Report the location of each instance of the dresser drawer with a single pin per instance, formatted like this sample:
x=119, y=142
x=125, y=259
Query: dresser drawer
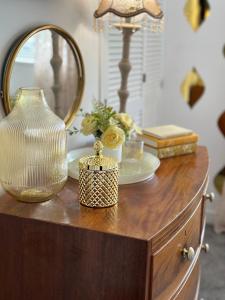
x=169, y=267
x=190, y=289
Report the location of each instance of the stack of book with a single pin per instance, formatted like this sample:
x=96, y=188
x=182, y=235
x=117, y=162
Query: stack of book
x=170, y=140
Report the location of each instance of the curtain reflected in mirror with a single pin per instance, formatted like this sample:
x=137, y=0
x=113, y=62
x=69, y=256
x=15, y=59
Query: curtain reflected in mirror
x=196, y=12
x=46, y=60
x=192, y=87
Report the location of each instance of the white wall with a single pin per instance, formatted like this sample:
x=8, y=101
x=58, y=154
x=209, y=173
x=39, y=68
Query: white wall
x=185, y=49
x=75, y=16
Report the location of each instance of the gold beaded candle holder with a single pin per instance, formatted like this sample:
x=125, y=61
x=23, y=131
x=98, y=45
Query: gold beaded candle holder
x=98, y=180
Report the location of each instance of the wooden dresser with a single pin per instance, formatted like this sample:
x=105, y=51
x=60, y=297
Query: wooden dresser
x=147, y=247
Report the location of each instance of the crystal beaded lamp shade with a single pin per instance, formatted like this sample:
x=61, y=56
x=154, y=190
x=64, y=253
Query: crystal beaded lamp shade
x=129, y=14
x=129, y=8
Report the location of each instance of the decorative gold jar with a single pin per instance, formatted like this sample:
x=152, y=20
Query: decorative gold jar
x=98, y=179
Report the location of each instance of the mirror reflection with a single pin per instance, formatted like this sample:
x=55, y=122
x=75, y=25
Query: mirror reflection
x=192, y=88
x=46, y=60
x=196, y=12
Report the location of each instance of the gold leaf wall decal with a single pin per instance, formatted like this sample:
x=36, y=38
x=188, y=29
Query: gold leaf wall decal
x=192, y=88
x=196, y=12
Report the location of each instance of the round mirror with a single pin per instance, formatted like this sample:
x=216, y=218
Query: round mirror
x=48, y=58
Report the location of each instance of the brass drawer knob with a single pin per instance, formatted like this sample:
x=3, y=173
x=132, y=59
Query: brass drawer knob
x=210, y=197
x=188, y=254
x=206, y=248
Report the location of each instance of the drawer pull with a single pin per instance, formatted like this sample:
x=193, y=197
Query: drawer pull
x=206, y=248
x=188, y=254
x=210, y=197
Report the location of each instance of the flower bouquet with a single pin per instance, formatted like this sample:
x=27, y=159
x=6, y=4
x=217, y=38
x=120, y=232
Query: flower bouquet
x=110, y=127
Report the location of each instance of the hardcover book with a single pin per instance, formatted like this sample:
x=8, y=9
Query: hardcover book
x=167, y=131
x=172, y=151
x=162, y=143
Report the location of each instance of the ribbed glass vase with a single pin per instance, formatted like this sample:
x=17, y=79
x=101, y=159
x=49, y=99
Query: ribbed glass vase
x=33, y=149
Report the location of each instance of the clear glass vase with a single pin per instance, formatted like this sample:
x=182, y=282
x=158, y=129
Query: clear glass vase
x=33, y=149
x=114, y=153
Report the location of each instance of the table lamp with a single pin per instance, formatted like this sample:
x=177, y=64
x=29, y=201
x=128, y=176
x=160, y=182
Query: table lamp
x=128, y=16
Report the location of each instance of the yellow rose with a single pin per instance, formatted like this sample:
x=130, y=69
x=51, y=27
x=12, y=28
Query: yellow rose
x=125, y=120
x=113, y=137
x=89, y=125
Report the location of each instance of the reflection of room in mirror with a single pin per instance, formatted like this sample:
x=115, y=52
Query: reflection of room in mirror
x=47, y=61
x=192, y=87
x=23, y=69
x=196, y=12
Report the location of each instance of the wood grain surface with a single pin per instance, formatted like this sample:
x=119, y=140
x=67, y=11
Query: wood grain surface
x=169, y=267
x=191, y=287
x=47, y=261
x=144, y=209
x=59, y=250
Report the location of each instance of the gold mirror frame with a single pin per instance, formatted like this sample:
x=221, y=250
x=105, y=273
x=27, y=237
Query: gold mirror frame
x=7, y=73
